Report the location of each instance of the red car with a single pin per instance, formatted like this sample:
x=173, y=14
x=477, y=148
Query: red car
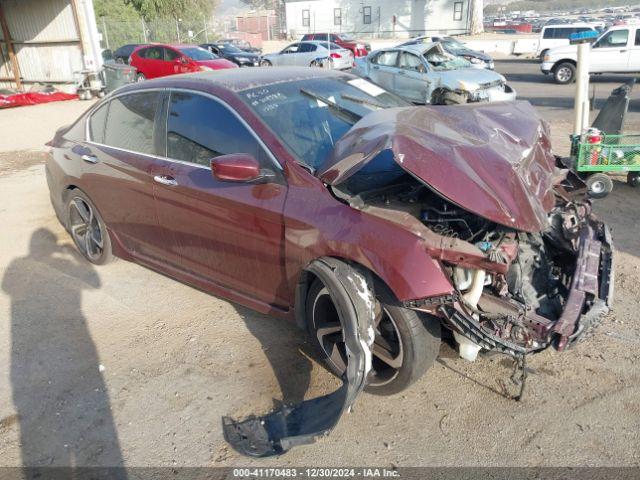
x=358, y=48
x=316, y=196
x=152, y=61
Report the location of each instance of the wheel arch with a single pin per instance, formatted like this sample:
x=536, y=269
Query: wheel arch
x=379, y=281
x=564, y=60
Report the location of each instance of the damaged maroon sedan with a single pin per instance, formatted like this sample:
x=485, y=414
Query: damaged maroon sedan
x=320, y=197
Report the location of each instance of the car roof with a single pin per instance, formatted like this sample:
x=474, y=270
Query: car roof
x=569, y=25
x=319, y=42
x=419, y=48
x=236, y=79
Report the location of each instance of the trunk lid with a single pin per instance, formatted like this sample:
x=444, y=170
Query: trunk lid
x=494, y=160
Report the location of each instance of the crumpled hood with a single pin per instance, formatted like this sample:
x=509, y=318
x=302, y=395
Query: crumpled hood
x=471, y=76
x=491, y=159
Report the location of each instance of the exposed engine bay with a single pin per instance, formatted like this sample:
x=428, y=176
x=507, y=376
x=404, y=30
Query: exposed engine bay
x=536, y=287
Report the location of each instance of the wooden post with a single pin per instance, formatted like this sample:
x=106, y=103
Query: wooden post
x=12, y=54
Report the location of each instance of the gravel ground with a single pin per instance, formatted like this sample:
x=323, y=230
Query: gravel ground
x=118, y=364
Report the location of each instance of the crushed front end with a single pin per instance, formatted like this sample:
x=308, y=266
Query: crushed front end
x=546, y=288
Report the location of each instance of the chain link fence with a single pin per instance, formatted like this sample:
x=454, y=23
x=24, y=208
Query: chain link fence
x=116, y=33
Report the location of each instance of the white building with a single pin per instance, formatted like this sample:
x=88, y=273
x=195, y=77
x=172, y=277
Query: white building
x=377, y=18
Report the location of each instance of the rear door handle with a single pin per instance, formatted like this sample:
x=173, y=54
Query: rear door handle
x=376, y=68
x=89, y=158
x=166, y=180
x=401, y=72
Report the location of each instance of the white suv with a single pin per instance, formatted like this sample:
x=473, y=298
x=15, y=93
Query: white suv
x=552, y=36
x=616, y=51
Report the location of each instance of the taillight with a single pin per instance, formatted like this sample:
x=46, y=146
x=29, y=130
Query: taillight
x=335, y=55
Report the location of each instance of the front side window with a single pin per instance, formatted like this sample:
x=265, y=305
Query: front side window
x=130, y=122
x=200, y=128
x=170, y=55
x=637, y=41
x=337, y=16
x=457, y=11
x=197, y=53
x=307, y=48
x=294, y=48
x=614, y=38
x=97, y=123
x=409, y=61
x=305, y=18
x=366, y=15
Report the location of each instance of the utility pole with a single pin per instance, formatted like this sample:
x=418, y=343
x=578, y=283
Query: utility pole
x=144, y=30
x=105, y=33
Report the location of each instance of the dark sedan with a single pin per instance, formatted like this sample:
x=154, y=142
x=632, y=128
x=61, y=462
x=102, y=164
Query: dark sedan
x=233, y=54
x=122, y=54
x=317, y=196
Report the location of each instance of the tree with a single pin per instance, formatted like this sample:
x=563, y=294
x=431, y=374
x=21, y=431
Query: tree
x=263, y=4
x=158, y=9
x=476, y=24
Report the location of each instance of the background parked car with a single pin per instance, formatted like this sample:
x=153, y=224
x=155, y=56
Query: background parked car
x=457, y=48
x=160, y=60
x=428, y=74
x=358, y=48
x=616, y=51
x=242, y=45
x=310, y=54
x=558, y=35
x=233, y=54
x=122, y=54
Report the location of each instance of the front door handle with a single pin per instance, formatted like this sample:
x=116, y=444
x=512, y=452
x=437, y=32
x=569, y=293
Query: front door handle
x=165, y=180
x=89, y=158
x=376, y=68
x=401, y=72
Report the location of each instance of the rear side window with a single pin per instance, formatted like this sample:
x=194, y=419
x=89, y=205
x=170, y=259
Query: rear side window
x=199, y=129
x=97, y=122
x=152, y=53
x=637, y=41
x=387, y=58
x=307, y=47
x=408, y=61
x=131, y=120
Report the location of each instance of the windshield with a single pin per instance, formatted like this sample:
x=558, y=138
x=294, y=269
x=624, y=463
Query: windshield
x=441, y=60
x=453, y=46
x=198, y=53
x=346, y=37
x=310, y=116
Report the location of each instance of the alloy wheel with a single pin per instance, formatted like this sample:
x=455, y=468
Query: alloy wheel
x=387, y=352
x=85, y=229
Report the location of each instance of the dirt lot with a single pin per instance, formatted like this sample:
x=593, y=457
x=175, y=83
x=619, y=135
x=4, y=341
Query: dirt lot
x=118, y=364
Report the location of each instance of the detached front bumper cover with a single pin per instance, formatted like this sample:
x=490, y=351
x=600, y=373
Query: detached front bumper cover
x=289, y=426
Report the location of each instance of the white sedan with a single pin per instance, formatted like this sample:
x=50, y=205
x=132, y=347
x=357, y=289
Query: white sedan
x=312, y=54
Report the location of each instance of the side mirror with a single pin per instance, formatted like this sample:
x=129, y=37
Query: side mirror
x=236, y=167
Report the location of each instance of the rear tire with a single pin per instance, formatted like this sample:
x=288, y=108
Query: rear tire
x=599, y=185
x=633, y=179
x=266, y=63
x=409, y=341
x=564, y=73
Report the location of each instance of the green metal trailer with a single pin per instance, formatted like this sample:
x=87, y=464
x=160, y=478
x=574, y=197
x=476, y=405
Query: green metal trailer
x=599, y=153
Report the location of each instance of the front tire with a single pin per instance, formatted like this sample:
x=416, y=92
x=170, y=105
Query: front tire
x=140, y=77
x=564, y=73
x=406, y=343
x=633, y=179
x=88, y=231
x=599, y=185
x=266, y=63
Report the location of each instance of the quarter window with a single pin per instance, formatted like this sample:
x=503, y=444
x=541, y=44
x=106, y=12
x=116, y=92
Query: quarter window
x=457, y=11
x=337, y=16
x=305, y=18
x=97, y=123
x=152, y=53
x=366, y=15
x=130, y=122
x=199, y=129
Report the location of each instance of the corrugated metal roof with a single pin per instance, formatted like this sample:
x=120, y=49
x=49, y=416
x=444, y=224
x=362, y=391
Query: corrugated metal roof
x=40, y=20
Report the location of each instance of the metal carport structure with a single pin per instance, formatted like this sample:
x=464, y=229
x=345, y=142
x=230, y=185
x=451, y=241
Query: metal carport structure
x=47, y=41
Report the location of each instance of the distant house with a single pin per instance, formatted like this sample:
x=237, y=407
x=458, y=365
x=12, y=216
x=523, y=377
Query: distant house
x=377, y=18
